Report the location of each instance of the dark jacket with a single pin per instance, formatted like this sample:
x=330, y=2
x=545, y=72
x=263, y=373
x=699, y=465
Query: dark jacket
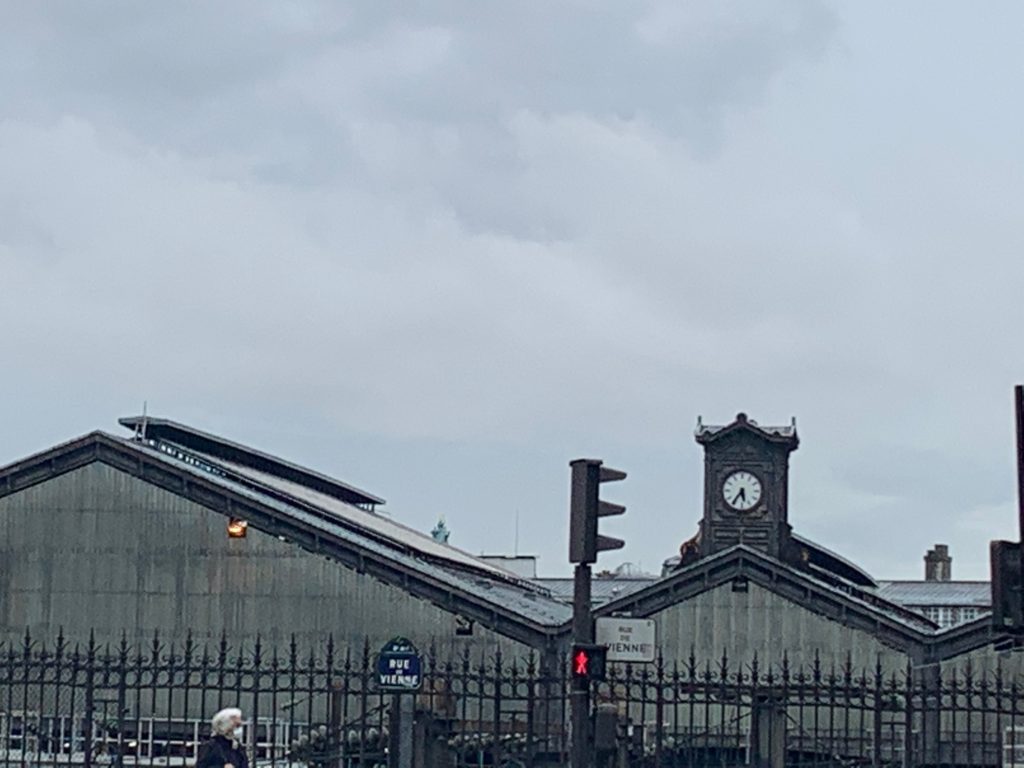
x=220, y=751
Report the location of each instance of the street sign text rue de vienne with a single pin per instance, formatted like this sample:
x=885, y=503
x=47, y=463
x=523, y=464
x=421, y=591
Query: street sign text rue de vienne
x=399, y=667
x=628, y=640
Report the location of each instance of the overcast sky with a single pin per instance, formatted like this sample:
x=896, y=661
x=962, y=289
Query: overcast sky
x=440, y=249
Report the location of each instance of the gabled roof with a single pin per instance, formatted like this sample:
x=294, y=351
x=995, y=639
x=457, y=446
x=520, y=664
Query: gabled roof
x=890, y=623
x=242, y=455
x=443, y=575
x=709, y=433
x=822, y=562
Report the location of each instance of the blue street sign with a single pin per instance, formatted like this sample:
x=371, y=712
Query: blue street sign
x=399, y=667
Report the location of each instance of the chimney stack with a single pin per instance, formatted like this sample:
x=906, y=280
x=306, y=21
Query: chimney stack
x=938, y=565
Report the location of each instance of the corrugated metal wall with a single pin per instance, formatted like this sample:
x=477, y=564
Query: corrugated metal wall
x=98, y=549
x=742, y=624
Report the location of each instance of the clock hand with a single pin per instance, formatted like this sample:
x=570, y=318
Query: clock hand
x=741, y=495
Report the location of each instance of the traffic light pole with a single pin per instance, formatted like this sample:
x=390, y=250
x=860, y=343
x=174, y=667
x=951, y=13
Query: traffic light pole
x=1007, y=557
x=579, y=700
x=585, y=541
x=1018, y=582
x=1018, y=392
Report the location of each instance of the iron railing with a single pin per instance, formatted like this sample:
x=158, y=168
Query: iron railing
x=88, y=704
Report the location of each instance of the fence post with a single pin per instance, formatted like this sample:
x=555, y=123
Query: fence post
x=931, y=713
x=400, y=748
x=90, y=707
x=548, y=713
x=768, y=732
x=335, y=734
x=531, y=706
x=876, y=730
x=908, y=728
x=122, y=671
x=659, y=710
x=257, y=662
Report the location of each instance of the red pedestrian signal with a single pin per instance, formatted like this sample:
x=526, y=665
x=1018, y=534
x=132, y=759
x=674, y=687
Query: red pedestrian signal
x=588, y=662
x=580, y=663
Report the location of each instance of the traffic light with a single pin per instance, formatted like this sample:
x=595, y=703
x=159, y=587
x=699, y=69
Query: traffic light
x=1007, y=586
x=586, y=507
x=588, y=662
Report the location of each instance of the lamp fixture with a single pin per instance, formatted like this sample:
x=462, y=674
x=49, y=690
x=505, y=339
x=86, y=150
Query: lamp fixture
x=237, y=528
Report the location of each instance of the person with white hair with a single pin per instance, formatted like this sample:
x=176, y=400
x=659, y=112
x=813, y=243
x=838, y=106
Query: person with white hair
x=224, y=748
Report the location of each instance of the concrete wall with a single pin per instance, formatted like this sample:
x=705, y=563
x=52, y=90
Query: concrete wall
x=99, y=549
x=757, y=621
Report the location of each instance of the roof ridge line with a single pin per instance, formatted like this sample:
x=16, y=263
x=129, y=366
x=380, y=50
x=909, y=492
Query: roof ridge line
x=248, y=456
x=896, y=618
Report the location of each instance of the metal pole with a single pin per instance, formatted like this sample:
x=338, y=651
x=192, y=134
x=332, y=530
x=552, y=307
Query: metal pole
x=1017, y=586
x=336, y=737
x=1018, y=392
x=394, y=737
x=579, y=701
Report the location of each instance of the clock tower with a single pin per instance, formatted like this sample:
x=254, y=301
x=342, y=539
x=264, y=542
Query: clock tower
x=746, y=480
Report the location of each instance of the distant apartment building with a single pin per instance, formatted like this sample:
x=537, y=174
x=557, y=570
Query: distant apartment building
x=938, y=597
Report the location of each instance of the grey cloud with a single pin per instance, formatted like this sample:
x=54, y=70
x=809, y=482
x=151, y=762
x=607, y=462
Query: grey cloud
x=434, y=245
x=931, y=478
x=185, y=74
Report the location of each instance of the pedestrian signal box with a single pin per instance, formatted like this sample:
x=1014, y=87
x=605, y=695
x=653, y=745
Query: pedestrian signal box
x=588, y=662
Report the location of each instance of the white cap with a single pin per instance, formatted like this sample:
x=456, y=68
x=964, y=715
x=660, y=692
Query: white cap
x=222, y=721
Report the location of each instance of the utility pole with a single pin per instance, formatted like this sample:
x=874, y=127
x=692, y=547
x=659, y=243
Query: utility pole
x=579, y=693
x=585, y=542
x=1006, y=556
x=1018, y=397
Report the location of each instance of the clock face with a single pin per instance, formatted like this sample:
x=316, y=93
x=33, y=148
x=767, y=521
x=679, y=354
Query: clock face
x=741, y=490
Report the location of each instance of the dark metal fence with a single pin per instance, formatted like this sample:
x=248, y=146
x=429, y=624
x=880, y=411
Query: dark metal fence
x=89, y=704
x=85, y=704
x=702, y=713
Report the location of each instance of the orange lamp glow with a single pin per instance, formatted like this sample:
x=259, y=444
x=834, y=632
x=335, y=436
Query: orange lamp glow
x=237, y=528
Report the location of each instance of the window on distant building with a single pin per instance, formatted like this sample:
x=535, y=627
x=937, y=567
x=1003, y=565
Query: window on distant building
x=948, y=615
x=943, y=615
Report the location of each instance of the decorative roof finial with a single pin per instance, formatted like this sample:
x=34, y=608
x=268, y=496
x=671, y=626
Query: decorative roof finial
x=440, y=532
